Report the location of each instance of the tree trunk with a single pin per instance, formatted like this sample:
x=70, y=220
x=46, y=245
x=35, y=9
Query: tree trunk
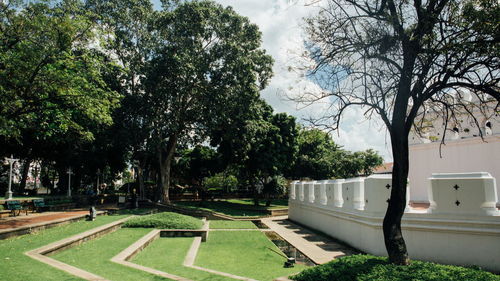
x=393, y=237
x=140, y=180
x=24, y=176
x=165, y=158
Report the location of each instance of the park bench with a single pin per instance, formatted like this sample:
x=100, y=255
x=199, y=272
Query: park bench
x=14, y=206
x=38, y=205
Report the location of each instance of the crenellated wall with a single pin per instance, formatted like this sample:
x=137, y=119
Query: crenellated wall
x=462, y=225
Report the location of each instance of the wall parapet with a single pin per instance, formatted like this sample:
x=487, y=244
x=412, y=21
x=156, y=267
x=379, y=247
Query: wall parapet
x=352, y=210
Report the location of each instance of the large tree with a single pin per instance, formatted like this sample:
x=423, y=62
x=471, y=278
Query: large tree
x=51, y=75
x=261, y=144
x=397, y=59
x=206, y=61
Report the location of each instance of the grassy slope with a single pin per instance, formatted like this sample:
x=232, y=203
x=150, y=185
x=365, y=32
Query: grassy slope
x=244, y=253
x=367, y=268
x=167, y=254
x=94, y=256
x=14, y=265
x=165, y=220
x=221, y=224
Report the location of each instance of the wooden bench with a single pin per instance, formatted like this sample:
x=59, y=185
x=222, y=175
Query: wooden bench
x=14, y=206
x=38, y=205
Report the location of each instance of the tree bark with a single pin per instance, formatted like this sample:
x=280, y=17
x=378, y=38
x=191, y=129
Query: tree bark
x=140, y=180
x=393, y=237
x=24, y=176
x=166, y=155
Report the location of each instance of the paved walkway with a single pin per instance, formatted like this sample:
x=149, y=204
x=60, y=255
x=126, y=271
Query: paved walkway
x=37, y=218
x=320, y=249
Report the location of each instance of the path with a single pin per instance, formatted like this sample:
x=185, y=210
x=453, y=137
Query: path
x=320, y=249
x=37, y=218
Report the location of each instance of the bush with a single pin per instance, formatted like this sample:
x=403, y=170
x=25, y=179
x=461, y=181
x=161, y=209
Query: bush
x=1, y=207
x=221, y=181
x=166, y=220
x=366, y=267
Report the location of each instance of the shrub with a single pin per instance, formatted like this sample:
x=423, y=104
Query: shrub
x=165, y=220
x=221, y=181
x=1, y=207
x=366, y=267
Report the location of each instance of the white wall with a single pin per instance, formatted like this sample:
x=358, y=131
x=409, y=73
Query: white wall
x=459, y=156
x=467, y=233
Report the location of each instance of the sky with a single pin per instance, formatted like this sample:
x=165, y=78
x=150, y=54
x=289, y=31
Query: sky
x=280, y=22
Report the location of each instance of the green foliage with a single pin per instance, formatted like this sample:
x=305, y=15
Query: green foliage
x=51, y=78
x=317, y=155
x=197, y=163
x=223, y=181
x=2, y=208
x=366, y=267
x=262, y=145
x=320, y=158
x=276, y=186
x=165, y=220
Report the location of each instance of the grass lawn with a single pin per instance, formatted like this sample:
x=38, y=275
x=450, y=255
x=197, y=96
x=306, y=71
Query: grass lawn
x=367, y=268
x=235, y=207
x=15, y=265
x=221, y=224
x=95, y=255
x=244, y=253
x=167, y=255
x=221, y=207
x=275, y=204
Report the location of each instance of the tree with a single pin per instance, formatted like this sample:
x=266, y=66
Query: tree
x=198, y=163
x=397, y=60
x=55, y=84
x=319, y=157
x=51, y=79
x=316, y=157
x=261, y=144
x=206, y=61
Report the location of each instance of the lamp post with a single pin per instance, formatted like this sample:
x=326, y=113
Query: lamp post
x=69, y=172
x=11, y=160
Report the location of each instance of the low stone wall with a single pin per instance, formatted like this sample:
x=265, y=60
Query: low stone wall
x=461, y=226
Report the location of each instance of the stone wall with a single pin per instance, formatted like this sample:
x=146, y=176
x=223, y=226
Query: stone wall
x=461, y=226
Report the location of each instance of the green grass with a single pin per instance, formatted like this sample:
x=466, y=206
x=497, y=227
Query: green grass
x=95, y=256
x=220, y=207
x=15, y=265
x=366, y=267
x=275, y=204
x=221, y=224
x=243, y=253
x=167, y=255
x=235, y=207
x=165, y=220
